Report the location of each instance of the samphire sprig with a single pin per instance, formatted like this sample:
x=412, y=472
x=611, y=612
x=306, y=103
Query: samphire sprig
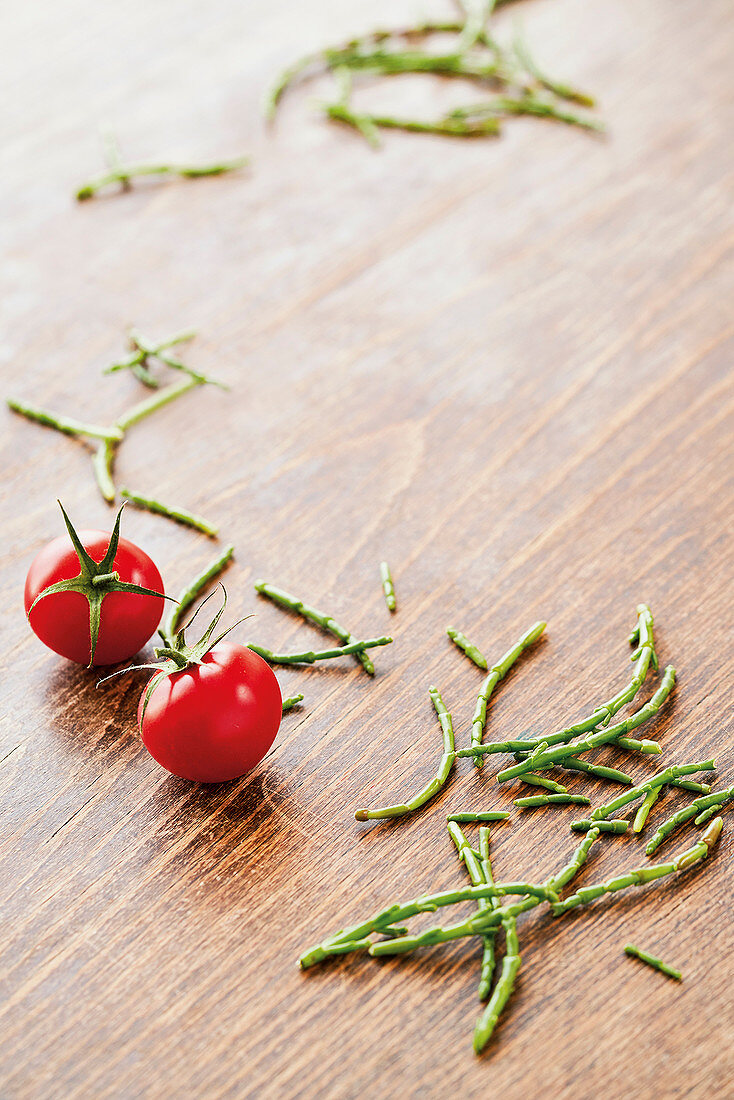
x=716, y=800
x=497, y=672
x=652, y=961
x=479, y=869
x=357, y=937
x=643, y=656
x=469, y=52
x=178, y=515
x=312, y=615
x=610, y=735
x=432, y=788
x=143, y=350
x=118, y=173
x=191, y=593
x=663, y=778
x=109, y=436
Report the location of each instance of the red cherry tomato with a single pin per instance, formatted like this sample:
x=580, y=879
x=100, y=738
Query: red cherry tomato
x=61, y=620
x=213, y=721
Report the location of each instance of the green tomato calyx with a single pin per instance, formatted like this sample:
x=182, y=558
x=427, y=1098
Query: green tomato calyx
x=176, y=655
x=95, y=580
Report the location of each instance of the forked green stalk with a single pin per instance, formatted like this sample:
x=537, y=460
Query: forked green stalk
x=716, y=800
x=602, y=737
x=479, y=871
x=601, y=716
x=142, y=351
x=103, y=460
x=66, y=424
x=462, y=642
x=642, y=875
x=179, y=515
x=656, y=781
x=498, y=672
x=473, y=55
x=480, y=926
x=656, y=964
x=291, y=702
x=527, y=104
x=328, y=58
x=192, y=592
x=487, y=1022
x=310, y=657
x=313, y=615
x=432, y=788
x=388, y=588
x=123, y=176
x=427, y=903
x=473, y=926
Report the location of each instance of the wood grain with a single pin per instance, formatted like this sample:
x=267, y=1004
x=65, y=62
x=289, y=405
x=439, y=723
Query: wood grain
x=504, y=367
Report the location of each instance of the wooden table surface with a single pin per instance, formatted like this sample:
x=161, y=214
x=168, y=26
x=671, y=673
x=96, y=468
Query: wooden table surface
x=505, y=367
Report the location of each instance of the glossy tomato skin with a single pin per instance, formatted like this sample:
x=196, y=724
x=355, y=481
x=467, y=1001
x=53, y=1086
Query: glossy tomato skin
x=214, y=721
x=61, y=621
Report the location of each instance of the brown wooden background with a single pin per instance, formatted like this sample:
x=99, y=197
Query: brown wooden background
x=505, y=367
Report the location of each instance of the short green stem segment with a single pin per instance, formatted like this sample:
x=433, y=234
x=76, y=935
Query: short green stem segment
x=552, y=800
x=615, y=827
x=179, y=515
x=669, y=775
x=103, y=579
x=462, y=642
x=388, y=588
x=651, y=960
x=485, y=816
x=291, y=702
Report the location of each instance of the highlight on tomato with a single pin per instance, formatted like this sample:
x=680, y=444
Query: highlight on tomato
x=96, y=599
x=212, y=710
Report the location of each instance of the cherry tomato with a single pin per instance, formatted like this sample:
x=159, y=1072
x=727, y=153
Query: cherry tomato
x=62, y=620
x=213, y=721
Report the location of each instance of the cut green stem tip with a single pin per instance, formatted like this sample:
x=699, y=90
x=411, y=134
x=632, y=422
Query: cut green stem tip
x=656, y=964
